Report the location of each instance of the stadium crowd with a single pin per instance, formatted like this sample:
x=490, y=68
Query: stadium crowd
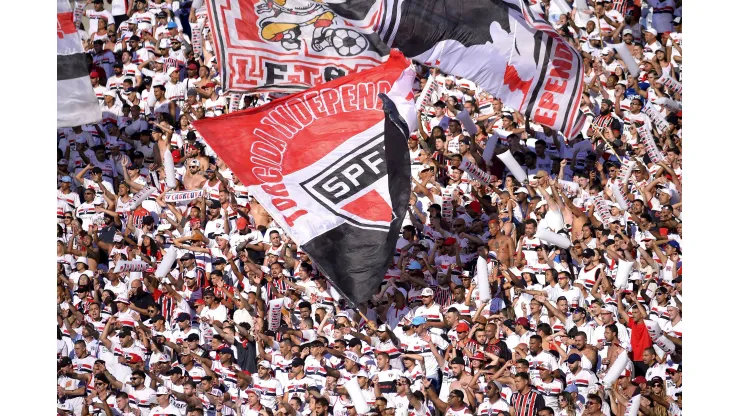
x=243, y=324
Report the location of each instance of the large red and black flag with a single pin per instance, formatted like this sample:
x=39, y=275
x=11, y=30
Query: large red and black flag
x=331, y=166
x=501, y=45
x=76, y=102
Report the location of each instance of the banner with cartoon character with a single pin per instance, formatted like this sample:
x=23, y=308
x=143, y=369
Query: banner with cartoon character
x=286, y=45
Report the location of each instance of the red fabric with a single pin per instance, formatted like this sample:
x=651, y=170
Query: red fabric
x=640, y=339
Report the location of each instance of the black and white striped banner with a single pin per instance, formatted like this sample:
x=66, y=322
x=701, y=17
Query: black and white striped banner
x=76, y=102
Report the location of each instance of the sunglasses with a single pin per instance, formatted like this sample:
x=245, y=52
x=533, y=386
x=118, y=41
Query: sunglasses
x=67, y=217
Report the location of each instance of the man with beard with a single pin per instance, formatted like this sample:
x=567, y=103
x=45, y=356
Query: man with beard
x=139, y=395
x=270, y=388
x=461, y=377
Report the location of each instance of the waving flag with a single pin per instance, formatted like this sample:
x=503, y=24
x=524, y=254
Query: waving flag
x=501, y=45
x=331, y=166
x=76, y=102
x=286, y=45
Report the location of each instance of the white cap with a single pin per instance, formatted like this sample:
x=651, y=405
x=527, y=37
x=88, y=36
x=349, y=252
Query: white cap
x=164, y=43
x=520, y=190
x=162, y=391
x=610, y=308
x=540, y=204
x=401, y=291
x=82, y=260
x=171, y=70
x=362, y=373
x=123, y=299
x=265, y=364
x=427, y=292
x=653, y=31
x=164, y=358
x=627, y=32
x=382, y=328
x=190, y=273
x=352, y=356
x=117, y=238
x=110, y=94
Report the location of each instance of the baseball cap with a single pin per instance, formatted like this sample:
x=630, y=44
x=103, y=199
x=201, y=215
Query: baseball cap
x=210, y=85
x=94, y=74
x=193, y=338
x=589, y=252
x=418, y=320
x=639, y=380
x=123, y=299
x=509, y=324
x=135, y=359
x=521, y=190
x=66, y=179
x=572, y=388
x=242, y=223
x=458, y=360
x=462, y=327
x=194, y=162
x=523, y=322
x=627, y=32
x=427, y=292
x=414, y=265
x=193, y=67
x=171, y=70
x=171, y=25
x=297, y=362
x=573, y=358
x=265, y=364
x=544, y=366
x=674, y=244
x=226, y=350
x=161, y=391
x=475, y=206
x=182, y=317
x=350, y=355
x=611, y=309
